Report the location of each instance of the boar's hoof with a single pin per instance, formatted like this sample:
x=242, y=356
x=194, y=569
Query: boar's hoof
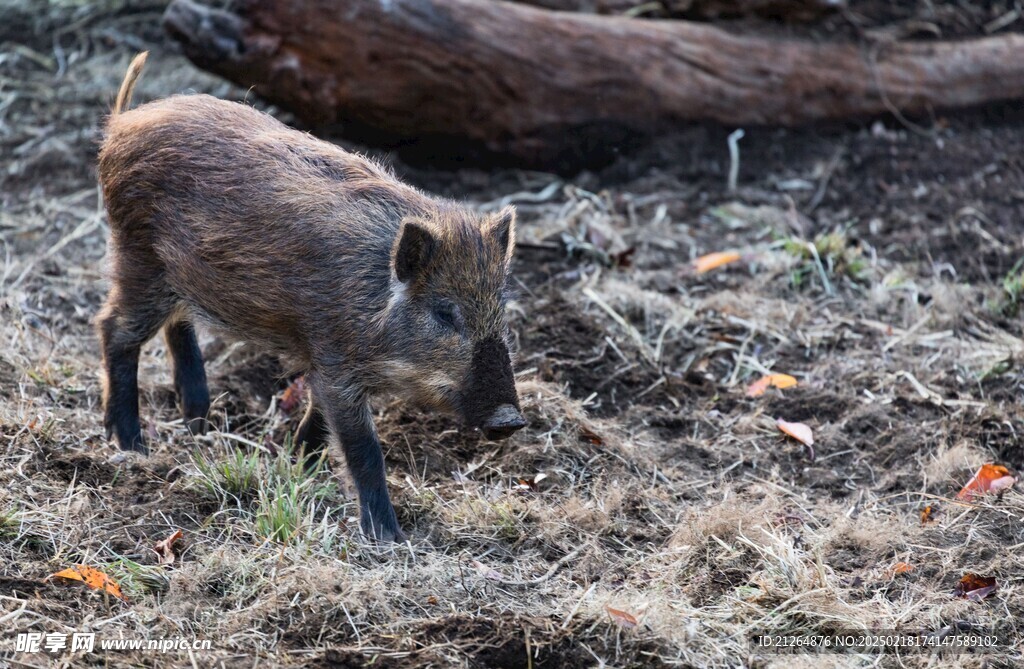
x=129, y=438
x=380, y=525
x=384, y=535
x=197, y=426
x=505, y=420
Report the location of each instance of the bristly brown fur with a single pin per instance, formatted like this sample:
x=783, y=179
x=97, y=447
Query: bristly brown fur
x=221, y=213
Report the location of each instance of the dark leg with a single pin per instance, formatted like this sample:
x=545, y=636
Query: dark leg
x=121, y=391
x=352, y=423
x=189, y=374
x=312, y=433
x=123, y=328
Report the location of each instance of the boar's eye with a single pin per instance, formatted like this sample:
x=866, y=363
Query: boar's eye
x=447, y=314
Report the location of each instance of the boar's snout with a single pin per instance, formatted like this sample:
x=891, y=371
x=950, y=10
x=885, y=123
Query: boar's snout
x=490, y=400
x=505, y=420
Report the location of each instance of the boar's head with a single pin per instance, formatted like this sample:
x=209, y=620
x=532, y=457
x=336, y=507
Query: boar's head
x=448, y=336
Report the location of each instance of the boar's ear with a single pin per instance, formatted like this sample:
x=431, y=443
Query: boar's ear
x=414, y=249
x=503, y=228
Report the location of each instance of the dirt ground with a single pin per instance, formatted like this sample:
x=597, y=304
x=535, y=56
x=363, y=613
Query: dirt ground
x=880, y=267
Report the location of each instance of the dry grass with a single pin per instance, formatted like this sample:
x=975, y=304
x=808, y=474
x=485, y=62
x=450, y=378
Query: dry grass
x=646, y=482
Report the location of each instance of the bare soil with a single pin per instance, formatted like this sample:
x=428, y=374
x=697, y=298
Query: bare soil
x=647, y=481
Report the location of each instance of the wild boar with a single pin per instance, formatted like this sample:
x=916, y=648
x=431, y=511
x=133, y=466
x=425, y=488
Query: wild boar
x=221, y=214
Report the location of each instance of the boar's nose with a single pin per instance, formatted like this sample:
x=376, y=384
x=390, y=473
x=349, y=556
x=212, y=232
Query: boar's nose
x=505, y=420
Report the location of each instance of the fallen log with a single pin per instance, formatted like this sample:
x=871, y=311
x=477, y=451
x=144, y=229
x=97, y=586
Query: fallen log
x=540, y=86
x=585, y=6
x=788, y=10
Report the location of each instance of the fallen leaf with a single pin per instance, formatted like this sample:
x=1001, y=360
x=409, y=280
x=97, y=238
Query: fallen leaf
x=711, y=261
x=988, y=478
x=92, y=577
x=524, y=485
x=623, y=618
x=605, y=236
x=165, y=549
x=975, y=588
x=598, y=241
x=784, y=519
x=798, y=431
x=623, y=259
x=758, y=388
x=293, y=394
x=529, y=484
x=487, y=572
x=588, y=435
x=899, y=568
x=926, y=514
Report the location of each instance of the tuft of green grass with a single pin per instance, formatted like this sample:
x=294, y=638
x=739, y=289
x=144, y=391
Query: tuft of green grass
x=282, y=497
x=997, y=369
x=828, y=258
x=281, y=512
x=9, y=524
x=138, y=579
x=508, y=524
x=1009, y=301
x=234, y=475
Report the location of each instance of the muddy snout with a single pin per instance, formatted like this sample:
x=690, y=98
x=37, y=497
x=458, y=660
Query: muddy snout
x=491, y=402
x=505, y=421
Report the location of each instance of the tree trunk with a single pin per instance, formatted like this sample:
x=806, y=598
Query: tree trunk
x=540, y=86
x=788, y=10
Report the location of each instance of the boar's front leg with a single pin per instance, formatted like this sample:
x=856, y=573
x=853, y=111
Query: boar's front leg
x=352, y=423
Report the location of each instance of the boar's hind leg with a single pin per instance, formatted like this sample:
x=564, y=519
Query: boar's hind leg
x=189, y=374
x=126, y=322
x=312, y=433
x=353, y=426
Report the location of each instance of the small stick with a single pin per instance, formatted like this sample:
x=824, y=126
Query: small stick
x=632, y=331
x=550, y=572
x=734, y=157
x=576, y=608
x=821, y=269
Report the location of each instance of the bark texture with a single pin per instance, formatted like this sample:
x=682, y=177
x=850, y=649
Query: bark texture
x=536, y=85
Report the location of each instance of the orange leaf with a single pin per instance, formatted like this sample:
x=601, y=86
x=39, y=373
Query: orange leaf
x=588, y=435
x=711, y=261
x=758, y=388
x=989, y=478
x=975, y=587
x=798, y=431
x=623, y=618
x=165, y=548
x=92, y=577
x=293, y=394
x=524, y=486
x=899, y=568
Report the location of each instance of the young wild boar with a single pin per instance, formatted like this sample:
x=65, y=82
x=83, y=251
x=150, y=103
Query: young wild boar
x=221, y=214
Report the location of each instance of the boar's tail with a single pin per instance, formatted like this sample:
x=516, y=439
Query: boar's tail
x=124, y=96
